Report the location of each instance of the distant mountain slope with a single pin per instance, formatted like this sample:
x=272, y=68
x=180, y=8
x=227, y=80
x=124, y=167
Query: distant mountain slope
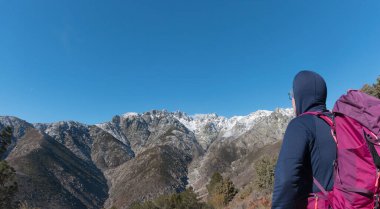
x=156, y=171
x=233, y=157
x=51, y=176
x=150, y=129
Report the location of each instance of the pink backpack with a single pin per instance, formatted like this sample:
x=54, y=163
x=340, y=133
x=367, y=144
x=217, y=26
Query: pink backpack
x=356, y=130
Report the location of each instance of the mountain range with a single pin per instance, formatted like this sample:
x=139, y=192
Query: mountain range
x=137, y=156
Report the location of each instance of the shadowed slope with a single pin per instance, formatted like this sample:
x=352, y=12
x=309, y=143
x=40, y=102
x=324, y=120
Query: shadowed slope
x=51, y=176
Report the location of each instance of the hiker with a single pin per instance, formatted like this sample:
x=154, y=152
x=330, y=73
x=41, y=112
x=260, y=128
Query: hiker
x=308, y=149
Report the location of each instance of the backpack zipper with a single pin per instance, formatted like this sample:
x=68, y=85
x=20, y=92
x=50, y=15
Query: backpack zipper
x=316, y=201
x=377, y=179
x=336, y=168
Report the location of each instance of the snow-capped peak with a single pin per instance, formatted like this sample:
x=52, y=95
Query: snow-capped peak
x=206, y=127
x=238, y=125
x=286, y=111
x=222, y=124
x=130, y=114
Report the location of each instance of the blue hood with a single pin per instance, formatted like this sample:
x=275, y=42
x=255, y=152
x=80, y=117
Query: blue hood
x=310, y=92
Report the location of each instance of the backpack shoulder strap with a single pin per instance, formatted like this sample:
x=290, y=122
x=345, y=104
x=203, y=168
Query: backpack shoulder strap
x=328, y=119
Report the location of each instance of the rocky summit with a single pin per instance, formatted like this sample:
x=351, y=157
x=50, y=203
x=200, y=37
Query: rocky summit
x=136, y=156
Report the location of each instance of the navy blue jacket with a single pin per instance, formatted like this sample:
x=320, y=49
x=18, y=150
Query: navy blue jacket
x=308, y=148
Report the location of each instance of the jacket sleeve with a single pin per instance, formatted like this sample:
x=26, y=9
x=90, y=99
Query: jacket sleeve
x=290, y=164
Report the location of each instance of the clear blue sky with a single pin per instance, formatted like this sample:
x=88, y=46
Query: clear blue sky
x=90, y=60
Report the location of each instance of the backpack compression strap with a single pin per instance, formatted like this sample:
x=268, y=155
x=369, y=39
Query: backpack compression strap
x=320, y=187
x=372, y=149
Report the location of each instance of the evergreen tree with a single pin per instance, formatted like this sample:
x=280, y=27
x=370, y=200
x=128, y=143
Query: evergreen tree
x=220, y=191
x=229, y=190
x=8, y=185
x=5, y=139
x=373, y=89
x=264, y=169
x=184, y=200
x=215, y=181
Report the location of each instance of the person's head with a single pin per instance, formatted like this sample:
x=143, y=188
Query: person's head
x=309, y=92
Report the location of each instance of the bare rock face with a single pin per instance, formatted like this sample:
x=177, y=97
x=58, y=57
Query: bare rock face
x=210, y=127
x=108, y=152
x=150, y=129
x=73, y=135
x=136, y=157
x=156, y=171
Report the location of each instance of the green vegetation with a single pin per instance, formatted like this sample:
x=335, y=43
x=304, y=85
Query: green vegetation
x=8, y=185
x=245, y=191
x=373, y=89
x=184, y=200
x=220, y=191
x=5, y=139
x=264, y=169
